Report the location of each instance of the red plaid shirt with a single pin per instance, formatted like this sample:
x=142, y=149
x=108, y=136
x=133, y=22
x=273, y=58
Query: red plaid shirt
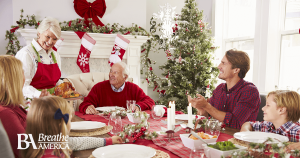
x=241, y=103
x=289, y=129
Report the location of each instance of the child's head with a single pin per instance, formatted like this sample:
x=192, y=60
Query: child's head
x=41, y=119
x=282, y=103
x=11, y=81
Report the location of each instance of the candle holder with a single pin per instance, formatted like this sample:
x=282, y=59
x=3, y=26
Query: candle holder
x=170, y=134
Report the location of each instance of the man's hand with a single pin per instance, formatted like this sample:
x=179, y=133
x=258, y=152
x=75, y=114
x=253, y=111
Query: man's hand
x=116, y=140
x=91, y=110
x=294, y=146
x=199, y=103
x=44, y=93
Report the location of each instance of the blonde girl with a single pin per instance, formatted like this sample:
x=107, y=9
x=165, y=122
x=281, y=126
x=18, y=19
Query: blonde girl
x=51, y=116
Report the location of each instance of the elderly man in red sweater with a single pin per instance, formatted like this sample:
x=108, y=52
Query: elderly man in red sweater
x=115, y=92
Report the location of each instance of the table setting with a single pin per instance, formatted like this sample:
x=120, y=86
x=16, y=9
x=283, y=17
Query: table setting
x=142, y=131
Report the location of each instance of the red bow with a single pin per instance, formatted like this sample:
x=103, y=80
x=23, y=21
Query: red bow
x=90, y=10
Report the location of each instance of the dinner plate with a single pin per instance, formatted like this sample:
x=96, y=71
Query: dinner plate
x=108, y=108
x=86, y=125
x=124, y=151
x=259, y=137
x=184, y=117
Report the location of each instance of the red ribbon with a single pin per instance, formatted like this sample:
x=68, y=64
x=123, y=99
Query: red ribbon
x=90, y=10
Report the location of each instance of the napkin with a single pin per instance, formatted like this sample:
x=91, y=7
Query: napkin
x=176, y=112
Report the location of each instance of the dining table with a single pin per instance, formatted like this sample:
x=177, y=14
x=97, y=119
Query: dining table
x=174, y=146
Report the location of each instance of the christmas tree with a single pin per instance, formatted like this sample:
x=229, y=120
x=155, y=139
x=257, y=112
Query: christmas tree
x=189, y=69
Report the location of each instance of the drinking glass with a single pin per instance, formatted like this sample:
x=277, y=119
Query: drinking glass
x=157, y=111
x=213, y=127
x=116, y=122
x=197, y=153
x=130, y=104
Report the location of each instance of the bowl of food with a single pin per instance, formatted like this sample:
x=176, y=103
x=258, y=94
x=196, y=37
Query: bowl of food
x=192, y=142
x=221, y=149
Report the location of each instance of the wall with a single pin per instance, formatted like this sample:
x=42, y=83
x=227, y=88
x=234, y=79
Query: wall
x=124, y=12
x=6, y=16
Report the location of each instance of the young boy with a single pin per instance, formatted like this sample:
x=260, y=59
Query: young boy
x=281, y=113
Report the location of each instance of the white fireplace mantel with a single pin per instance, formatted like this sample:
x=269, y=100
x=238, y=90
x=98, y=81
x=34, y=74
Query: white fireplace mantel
x=104, y=44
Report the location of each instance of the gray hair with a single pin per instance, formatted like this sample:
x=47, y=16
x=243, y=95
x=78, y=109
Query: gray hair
x=125, y=68
x=51, y=24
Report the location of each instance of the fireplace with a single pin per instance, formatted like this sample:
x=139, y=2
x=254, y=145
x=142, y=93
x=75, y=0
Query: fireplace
x=69, y=50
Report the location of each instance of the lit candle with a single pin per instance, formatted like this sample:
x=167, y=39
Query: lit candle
x=169, y=117
x=173, y=113
x=190, y=116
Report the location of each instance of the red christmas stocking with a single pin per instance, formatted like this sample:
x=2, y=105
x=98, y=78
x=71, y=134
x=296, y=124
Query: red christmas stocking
x=119, y=49
x=86, y=47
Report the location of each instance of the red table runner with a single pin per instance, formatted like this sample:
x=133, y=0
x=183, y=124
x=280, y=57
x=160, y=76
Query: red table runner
x=174, y=148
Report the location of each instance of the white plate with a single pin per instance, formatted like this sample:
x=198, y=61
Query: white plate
x=107, y=108
x=124, y=151
x=259, y=137
x=184, y=117
x=84, y=125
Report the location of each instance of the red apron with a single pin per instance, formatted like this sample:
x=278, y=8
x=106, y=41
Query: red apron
x=46, y=75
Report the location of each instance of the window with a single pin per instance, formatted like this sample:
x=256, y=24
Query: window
x=237, y=28
x=289, y=77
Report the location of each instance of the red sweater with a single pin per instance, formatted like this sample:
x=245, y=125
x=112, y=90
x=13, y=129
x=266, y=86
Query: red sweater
x=103, y=95
x=13, y=119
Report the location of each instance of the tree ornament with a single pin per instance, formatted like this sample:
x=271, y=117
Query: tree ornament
x=88, y=10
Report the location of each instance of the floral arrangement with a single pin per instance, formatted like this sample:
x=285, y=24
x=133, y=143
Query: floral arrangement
x=202, y=122
x=139, y=130
x=259, y=149
x=118, y=111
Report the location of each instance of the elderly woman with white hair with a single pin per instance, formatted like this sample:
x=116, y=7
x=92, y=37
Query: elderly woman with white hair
x=41, y=64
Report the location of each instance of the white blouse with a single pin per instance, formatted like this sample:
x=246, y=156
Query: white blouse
x=29, y=59
x=83, y=143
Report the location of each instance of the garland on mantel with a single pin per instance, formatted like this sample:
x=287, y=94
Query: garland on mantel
x=13, y=45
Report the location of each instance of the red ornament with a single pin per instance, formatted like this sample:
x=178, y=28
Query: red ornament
x=127, y=33
x=147, y=80
x=14, y=29
x=90, y=10
x=207, y=86
x=150, y=69
x=143, y=50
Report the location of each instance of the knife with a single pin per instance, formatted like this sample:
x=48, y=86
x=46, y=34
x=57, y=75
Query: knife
x=196, y=135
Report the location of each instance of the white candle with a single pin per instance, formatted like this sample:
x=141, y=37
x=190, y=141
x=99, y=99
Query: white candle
x=173, y=113
x=169, y=118
x=190, y=116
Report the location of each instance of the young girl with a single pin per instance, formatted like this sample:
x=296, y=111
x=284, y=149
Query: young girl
x=51, y=116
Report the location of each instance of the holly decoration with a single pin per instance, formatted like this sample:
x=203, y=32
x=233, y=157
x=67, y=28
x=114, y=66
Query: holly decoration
x=139, y=130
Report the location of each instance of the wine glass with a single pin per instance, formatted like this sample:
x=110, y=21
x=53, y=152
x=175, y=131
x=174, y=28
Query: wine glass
x=196, y=153
x=213, y=127
x=157, y=111
x=130, y=104
x=116, y=122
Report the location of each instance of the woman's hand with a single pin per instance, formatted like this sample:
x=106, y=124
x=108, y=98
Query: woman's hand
x=116, y=140
x=44, y=93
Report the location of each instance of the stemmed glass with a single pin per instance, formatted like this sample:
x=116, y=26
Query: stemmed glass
x=157, y=111
x=213, y=127
x=130, y=104
x=197, y=153
x=116, y=122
